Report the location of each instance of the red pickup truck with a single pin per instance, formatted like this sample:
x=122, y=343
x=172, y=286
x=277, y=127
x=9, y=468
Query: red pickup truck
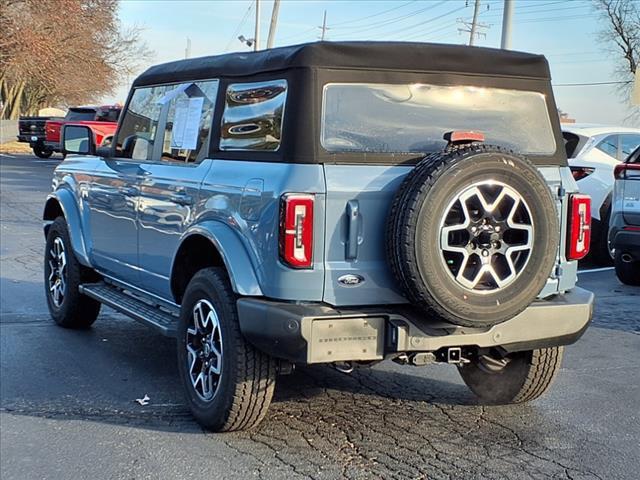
x=102, y=120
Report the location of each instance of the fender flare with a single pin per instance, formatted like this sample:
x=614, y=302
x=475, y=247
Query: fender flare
x=237, y=262
x=67, y=203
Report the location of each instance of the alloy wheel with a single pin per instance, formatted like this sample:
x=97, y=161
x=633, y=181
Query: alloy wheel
x=486, y=236
x=57, y=272
x=204, y=350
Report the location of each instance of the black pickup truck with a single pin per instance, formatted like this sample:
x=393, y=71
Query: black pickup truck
x=31, y=130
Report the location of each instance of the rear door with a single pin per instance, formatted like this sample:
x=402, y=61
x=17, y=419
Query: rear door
x=631, y=190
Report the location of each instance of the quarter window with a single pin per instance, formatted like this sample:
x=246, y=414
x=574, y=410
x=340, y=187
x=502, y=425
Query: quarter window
x=628, y=143
x=253, y=115
x=609, y=145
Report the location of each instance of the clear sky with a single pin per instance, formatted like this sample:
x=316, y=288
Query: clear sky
x=566, y=31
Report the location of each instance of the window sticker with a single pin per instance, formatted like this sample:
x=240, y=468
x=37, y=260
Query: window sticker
x=186, y=123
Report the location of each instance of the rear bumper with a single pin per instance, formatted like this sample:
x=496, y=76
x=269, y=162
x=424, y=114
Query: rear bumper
x=627, y=241
x=29, y=139
x=317, y=333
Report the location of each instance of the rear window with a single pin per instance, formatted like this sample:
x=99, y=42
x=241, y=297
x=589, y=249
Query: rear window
x=384, y=118
x=80, y=115
x=573, y=143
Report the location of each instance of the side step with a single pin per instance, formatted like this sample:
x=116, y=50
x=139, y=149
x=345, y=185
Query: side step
x=161, y=320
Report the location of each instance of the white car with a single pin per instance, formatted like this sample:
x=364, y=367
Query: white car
x=593, y=152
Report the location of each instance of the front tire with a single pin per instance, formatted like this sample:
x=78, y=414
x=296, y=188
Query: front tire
x=627, y=272
x=63, y=276
x=228, y=384
x=42, y=152
x=517, y=378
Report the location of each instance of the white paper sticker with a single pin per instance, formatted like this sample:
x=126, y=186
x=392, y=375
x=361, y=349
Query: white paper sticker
x=171, y=94
x=186, y=123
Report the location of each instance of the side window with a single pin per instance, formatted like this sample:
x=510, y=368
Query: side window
x=629, y=143
x=189, y=121
x=140, y=123
x=253, y=115
x=609, y=145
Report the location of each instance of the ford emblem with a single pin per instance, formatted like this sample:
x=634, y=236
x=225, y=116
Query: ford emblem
x=350, y=280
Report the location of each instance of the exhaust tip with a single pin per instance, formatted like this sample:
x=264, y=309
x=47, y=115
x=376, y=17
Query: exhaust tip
x=626, y=258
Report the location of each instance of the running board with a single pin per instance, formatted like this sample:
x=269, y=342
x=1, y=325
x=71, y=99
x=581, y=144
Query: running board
x=161, y=320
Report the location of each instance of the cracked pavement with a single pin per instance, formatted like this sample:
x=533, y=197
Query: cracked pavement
x=67, y=405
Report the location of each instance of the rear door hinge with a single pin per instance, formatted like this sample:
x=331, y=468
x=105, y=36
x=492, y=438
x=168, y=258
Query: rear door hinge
x=561, y=192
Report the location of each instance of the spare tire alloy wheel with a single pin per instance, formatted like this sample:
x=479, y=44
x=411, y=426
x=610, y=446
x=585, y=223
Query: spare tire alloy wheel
x=57, y=259
x=486, y=236
x=204, y=350
x=473, y=235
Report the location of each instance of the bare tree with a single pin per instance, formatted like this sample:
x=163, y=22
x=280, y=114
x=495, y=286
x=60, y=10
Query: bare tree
x=62, y=52
x=621, y=31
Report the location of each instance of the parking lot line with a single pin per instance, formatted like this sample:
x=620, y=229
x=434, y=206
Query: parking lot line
x=595, y=270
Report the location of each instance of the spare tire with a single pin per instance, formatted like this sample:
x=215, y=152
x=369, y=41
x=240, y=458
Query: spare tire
x=473, y=235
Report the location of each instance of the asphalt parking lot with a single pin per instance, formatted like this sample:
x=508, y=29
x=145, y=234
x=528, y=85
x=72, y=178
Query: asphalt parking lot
x=68, y=410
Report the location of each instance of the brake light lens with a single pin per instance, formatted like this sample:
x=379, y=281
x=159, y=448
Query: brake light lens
x=621, y=169
x=579, y=235
x=296, y=230
x=581, y=172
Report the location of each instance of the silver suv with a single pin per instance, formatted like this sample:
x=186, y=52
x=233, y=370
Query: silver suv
x=336, y=203
x=624, y=230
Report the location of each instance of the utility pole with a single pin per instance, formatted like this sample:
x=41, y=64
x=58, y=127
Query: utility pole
x=187, y=51
x=473, y=27
x=324, y=27
x=274, y=23
x=474, y=23
x=256, y=40
x=507, y=22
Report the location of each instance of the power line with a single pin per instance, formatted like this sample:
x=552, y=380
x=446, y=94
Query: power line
x=390, y=21
x=420, y=24
x=237, y=30
x=588, y=84
x=337, y=25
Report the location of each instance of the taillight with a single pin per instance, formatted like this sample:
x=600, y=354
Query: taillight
x=581, y=172
x=621, y=169
x=296, y=230
x=579, y=235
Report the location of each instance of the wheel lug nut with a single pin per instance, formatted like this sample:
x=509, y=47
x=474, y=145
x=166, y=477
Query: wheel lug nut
x=485, y=253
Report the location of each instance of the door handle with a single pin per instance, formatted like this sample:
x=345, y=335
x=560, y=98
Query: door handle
x=181, y=198
x=129, y=191
x=353, y=211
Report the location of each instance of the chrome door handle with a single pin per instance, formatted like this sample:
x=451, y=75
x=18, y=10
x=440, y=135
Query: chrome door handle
x=181, y=198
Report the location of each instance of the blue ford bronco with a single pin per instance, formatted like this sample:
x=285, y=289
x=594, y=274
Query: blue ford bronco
x=337, y=203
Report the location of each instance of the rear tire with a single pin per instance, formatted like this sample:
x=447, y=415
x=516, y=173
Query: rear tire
x=600, y=253
x=42, y=152
x=525, y=376
x=627, y=272
x=63, y=276
x=228, y=384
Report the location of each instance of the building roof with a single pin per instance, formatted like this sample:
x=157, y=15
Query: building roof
x=396, y=56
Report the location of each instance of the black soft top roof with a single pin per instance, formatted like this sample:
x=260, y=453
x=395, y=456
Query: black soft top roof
x=401, y=56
